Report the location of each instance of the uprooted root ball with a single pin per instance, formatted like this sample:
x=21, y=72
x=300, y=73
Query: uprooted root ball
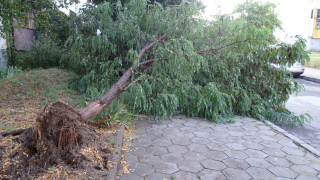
x=59, y=137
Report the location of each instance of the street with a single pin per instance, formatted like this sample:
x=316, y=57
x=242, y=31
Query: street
x=306, y=101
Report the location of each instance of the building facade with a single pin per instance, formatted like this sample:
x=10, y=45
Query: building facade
x=314, y=44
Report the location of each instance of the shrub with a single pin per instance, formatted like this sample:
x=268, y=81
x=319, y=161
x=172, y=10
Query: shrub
x=45, y=53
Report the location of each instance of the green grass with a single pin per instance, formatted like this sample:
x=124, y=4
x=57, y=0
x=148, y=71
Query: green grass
x=314, y=60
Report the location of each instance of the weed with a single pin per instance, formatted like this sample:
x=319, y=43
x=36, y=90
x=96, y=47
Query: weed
x=172, y=178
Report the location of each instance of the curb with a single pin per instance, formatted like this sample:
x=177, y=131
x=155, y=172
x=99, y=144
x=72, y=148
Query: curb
x=296, y=140
x=310, y=79
x=118, y=151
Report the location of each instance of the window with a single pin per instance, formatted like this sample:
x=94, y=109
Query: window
x=318, y=24
x=318, y=13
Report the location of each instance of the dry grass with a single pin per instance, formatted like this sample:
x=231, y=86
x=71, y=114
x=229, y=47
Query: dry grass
x=23, y=95
x=314, y=60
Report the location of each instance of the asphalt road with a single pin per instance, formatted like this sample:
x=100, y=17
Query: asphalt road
x=306, y=101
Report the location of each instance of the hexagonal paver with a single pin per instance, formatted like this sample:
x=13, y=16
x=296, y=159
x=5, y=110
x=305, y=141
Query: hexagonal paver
x=190, y=166
x=130, y=176
x=183, y=175
x=260, y=173
x=304, y=177
x=181, y=140
x=165, y=167
x=232, y=139
x=293, y=151
x=267, y=132
x=171, y=157
x=288, y=143
x=274, y=152
x=188, y=129
x=199, y=140
x=212, y=164
x=177, y=149
x=216, y=155
x=171, y=130
x=236, y=163
x=157, y=176
x=255, y=153
x=162, y=142
x=235, y=133
x=236, y=154
x=157, y=150
x=149, y=159
x=202, y=134
x=143, y=169
x=218, y=140
x=256, y=162
x=217, y=147
x=200, y=148
x=278, y=161
x=297, y=159
x=267, y=138
x=194, y=156
x=304, y=170
x=138, y=151
x=235, y=174
x=253, y=145
x=210, y=174
x=283, y=172
x=271, y=144
x=236, y=146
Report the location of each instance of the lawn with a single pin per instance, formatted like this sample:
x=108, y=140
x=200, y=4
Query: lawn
x=314, y=60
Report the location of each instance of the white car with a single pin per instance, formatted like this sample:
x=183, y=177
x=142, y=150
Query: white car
x=296, y=69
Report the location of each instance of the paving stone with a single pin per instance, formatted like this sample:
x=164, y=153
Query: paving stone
x=236, y=146
x=143, y=143
x=172, y=130
x=202, y=134
x=204, y=129
x=194, y=156
x=252, y=138
x=236, y=163
x=270, y=144
x=199, y=140
x=304, y=177
x=212, y=164
x=260, y=173
x=274, y=152
x=165, y=167
x=267, y=138
x=149, y=159
x=232, y=128
x=253, y=145
x=267, y=132
x=216, y=155
x=200, y=148
x=172, y=157
x=288, y=143
x=177, y=149
x=162, y=142
x=130, y=176
x=143, y=169
x=181, y=140
x=190, y=166
x=183, y=175
x=316, y=166
x=157, y=150
x=304, y=170
x=218, y=134
x=278, y=161
x=318, y=176
x=235, y=174
x=159, y=176
x=219, y=129
x=217, y=147
x=232, y=139
x=210, y=174
x=176, y=124
x=131, y=158
x=184, y=134
x=255, y=153
x=218, y=140
x=235, y=133
x=190, y=124
x=256, y=162
x=236, y=154
x=293, y=151
x=283, y=172
x=188, y=129
x=297, y=159
x=138, y=151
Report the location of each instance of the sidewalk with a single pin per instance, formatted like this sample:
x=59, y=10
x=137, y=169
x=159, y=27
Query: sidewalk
x=192, y=149
x=311, y=74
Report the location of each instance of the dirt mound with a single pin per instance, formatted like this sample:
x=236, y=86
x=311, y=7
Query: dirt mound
x=59, y=139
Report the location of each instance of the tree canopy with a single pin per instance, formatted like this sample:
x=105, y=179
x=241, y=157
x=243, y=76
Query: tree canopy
x=211, y=69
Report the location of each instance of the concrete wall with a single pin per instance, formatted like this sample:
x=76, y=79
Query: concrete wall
x=314, y=45
x=3, y=61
